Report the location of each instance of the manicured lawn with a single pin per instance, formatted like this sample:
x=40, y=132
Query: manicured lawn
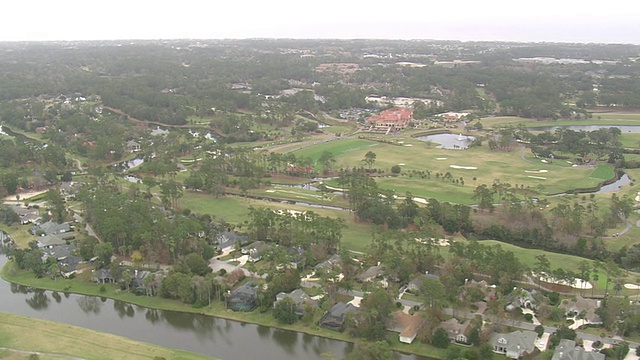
x=19, y=233
x=603, y=172
x=415, y=155
x=29, y=334
x=338, y=148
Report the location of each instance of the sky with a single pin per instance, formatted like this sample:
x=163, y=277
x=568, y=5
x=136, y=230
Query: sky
x=613, y=21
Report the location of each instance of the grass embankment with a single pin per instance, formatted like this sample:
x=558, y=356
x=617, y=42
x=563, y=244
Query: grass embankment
x=53, y=340
x=598, y=118
x=82, y=286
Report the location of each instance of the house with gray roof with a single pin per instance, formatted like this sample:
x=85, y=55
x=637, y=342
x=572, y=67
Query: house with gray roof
x=524, y=299
x=133, y=146
x=58, y=252
x=244, y=298
x=255, y=250
x=335, y=317
x=299, y=297
x=583, y=308
x=416, y=283
x=68, y=266
x=515, y=344
x=371, y=273
x=328, y=264
x=226, y=240
x=51, y=228
x=53, y=240
x=567, y=350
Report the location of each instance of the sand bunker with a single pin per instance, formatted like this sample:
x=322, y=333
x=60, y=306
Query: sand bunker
x=463, y=167
x=632, y=286
x=401, y=164
x=408, y=144
x=637, y=197
x=536, y=171
x=537, y=177
x=270, y=191
x=576, y=284
x=441, y=158
x=544, y=161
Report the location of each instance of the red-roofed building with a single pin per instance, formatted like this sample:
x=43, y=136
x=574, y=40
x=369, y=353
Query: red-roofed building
x=397, y=118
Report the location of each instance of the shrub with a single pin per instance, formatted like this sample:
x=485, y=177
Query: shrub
x=102, y=289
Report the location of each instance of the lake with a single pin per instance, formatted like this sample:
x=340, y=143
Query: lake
x=449, y=141
x=206, y=335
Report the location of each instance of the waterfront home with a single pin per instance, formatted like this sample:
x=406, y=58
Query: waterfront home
x=335, y=317
x=58, y=252
x=299, y=297
x=103, y=276
x=514, y=345
x=68, y=267
x=406, y=325
x=244, y=298
x=455, y=330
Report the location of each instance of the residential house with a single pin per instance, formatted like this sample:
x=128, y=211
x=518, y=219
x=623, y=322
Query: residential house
x=489, y=291
x=299, y=297
x=329, y=264
x=243, y=298
x=414, y=285
x=133, y=146
x=159, y=132
x=515, y=344
x=68, y=189
x=226, y=240
x=58, y=252
x=371, y=273
x=456, y=331
x=103, y=276
x=524, y=299
x=26, y=215
x=583, y=308
x=406, y=325
x=255, y=250
x=53, y=240
x=297, y=256
x=335, y=317
x=68, y=266
x=50, y=228
x=567, y=350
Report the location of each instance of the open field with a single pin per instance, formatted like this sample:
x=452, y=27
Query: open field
x=51, y=338
x=19, y=233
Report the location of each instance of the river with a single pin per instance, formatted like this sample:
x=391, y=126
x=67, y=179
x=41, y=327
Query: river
x=206, y=335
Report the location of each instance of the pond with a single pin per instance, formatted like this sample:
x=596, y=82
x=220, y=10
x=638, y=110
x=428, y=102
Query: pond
x=615, y=186
x=200, y=334
x=623, y=128
x=449, y=141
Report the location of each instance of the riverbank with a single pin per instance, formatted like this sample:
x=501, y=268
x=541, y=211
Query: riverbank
x=78, y=286
x=21, y=335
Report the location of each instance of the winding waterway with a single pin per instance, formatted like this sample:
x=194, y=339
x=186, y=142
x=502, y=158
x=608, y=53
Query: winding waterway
x=206, y=335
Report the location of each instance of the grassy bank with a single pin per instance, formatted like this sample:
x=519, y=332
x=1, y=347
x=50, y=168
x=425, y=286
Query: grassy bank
x=217, y=309
x=24, y=335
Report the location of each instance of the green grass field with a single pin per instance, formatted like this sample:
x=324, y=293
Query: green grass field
x=413, y=154
x=235, y=210
x=598, y=118
x=24, y=335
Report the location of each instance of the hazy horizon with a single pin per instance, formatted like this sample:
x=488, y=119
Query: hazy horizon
x=545, y=21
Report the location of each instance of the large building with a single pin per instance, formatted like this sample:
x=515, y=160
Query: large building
x=397, y=118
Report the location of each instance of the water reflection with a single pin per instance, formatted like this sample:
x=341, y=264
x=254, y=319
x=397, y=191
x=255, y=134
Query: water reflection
x=89, y=304
x=39, y=300
x=201, y=334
